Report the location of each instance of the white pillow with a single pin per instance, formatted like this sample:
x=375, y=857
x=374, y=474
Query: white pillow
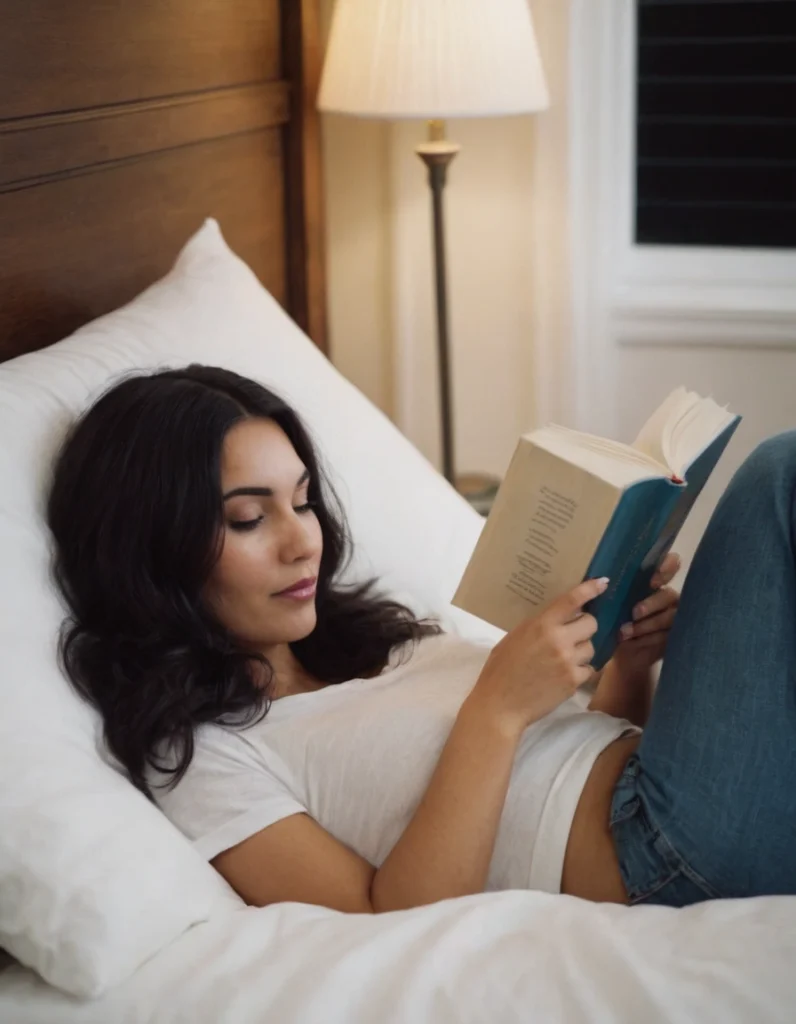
x=93, y=879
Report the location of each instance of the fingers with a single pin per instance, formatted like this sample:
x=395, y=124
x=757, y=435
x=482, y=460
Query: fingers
x=652, y=641
x=663, y=598
x=584, y=653
x=582, y=628
x=570, y=603
x=666, y=571
x=652, y=624
x=583, y=675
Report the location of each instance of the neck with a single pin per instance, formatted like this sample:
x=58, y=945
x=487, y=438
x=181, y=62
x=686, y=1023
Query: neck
x=289, y=675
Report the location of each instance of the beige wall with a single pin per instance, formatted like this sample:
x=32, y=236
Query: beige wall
x=356, y=170
x=528, y=253
x=358, y=257
x=489, y=225
x=381, y=302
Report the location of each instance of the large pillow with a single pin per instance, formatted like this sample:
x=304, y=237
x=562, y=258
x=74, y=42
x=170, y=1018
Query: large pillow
x=93, y=879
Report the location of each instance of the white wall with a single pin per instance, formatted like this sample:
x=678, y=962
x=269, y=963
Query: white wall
x=647, y=318
x=761, y=385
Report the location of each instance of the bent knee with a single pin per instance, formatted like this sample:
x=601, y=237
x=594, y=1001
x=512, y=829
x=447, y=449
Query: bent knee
x=774, y=457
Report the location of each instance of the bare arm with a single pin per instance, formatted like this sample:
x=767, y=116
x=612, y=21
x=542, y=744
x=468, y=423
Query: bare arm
x=446, y=848
x=444, y=852
x=623, y=696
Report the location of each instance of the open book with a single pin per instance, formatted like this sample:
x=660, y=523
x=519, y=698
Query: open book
x=574, y=506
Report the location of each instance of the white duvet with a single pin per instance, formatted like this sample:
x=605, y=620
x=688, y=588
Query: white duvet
x=511, y=956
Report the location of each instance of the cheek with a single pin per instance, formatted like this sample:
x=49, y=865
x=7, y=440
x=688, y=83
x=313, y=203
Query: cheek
x=318, y=536
x=243, y=571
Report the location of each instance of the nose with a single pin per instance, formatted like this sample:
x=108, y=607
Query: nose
x=298, y=539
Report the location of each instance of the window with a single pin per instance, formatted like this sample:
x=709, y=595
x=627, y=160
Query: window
x=716, y=123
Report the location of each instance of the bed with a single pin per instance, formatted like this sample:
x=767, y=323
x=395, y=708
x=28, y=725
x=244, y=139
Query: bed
x=123, y=126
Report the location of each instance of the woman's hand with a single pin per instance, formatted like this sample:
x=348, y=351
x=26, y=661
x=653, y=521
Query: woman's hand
x=626, y=684
x=541, y=662
x=643, y=642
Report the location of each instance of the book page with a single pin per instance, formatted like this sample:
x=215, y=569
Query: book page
x=653, y=438
x=541, y=535
x=617, y=463
x=681, y=428
x=542, y=545
x=695, y=432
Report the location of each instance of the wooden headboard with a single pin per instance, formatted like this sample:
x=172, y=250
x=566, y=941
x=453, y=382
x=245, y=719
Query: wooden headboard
x=124, y=123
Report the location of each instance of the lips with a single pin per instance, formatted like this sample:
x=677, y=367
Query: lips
x=307, y=584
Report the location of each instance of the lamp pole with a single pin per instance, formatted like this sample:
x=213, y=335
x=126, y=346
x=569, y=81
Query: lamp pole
x=437, y=154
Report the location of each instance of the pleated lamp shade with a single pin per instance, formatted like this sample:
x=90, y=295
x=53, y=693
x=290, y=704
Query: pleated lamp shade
x=432, y=59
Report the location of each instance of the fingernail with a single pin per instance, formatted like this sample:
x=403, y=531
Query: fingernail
x=626, y=631
x=639, y=611
x=602, y=583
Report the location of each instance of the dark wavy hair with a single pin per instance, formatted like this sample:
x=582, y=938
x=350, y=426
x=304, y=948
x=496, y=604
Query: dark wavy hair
x=136, y=512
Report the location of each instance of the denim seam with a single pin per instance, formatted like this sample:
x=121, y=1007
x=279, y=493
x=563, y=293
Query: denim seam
x=680, y=864
x=620, y=817
x=637, y=895
x=699, y=881
x=669, y=860
x=673, y=862
x=630, y=805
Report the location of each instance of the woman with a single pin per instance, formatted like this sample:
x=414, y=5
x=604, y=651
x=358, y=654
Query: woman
x=318, y=744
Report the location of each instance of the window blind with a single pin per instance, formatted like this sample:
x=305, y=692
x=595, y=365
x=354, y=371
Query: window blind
x=716, y=123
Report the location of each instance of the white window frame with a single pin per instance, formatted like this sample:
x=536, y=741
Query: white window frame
x=632, y=295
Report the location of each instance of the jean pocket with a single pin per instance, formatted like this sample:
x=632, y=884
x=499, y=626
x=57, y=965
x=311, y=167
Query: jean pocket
x=651, y=868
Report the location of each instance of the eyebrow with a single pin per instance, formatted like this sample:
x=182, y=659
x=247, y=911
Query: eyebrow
x=262, y=492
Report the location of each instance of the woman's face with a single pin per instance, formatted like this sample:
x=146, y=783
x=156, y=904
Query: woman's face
x=271, y=539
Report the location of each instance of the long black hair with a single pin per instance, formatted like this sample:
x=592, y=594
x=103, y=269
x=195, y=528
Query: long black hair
x=136, y=512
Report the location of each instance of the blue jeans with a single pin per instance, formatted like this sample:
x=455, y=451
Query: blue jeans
x=706, y=807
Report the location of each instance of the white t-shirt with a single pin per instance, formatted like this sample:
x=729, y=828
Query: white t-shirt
x=358, y=757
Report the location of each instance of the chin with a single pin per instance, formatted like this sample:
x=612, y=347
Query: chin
x=304, y=624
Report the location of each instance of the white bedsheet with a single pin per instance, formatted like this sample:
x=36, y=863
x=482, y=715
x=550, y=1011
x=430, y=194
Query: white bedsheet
x=512, y=956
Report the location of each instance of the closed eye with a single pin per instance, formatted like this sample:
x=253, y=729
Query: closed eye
x=242, y=525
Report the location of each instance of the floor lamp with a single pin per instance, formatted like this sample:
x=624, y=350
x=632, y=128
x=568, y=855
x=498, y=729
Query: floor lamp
x=434, y=60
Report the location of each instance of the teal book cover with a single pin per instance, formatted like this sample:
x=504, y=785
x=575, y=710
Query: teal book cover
x=642, y=529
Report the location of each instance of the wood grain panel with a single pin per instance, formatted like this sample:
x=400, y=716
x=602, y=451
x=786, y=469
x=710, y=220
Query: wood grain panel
x=79, y=247
x=305, y=214
x=58, y=55
x=58, y=145
x=124, y=123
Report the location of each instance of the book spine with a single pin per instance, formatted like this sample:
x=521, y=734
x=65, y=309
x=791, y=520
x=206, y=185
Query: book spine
x=674, y=512
x=624, y=555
